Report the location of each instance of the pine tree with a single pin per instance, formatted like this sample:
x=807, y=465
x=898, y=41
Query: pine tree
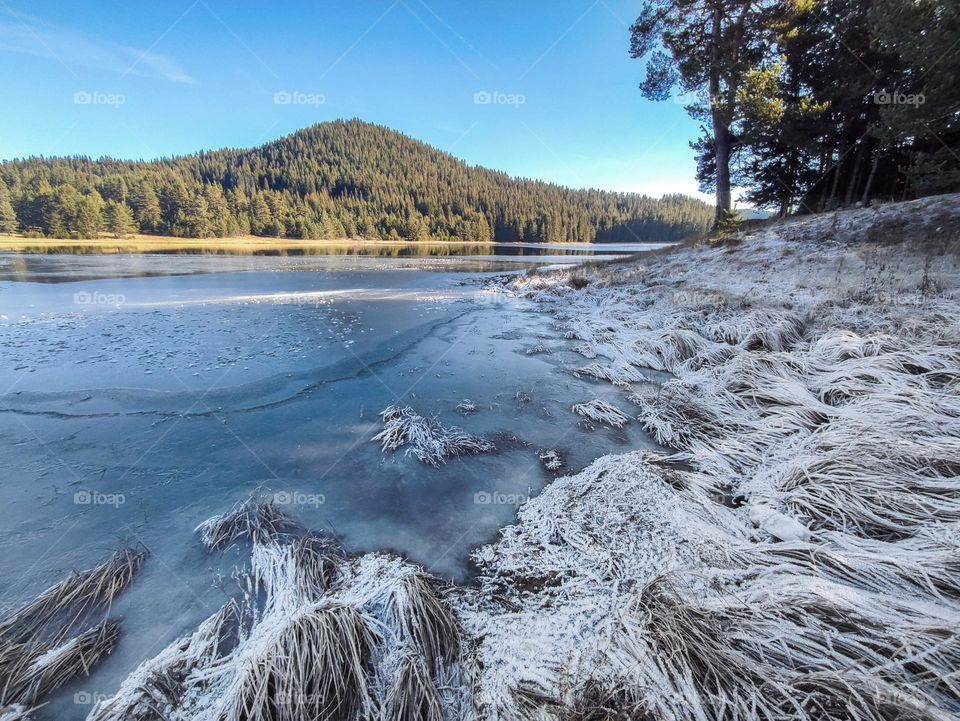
x=142, y=198
x=35, y=207
x=118, y=219
x=8, y=217
x=709, y=46
x=217, y=210
x=173, y=198
x=194, y=219
x=87, y=221
x=923, y=35
x=261, y=219
x=880, y=120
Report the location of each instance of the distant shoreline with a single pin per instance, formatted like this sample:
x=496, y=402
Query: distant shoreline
x=244, y=245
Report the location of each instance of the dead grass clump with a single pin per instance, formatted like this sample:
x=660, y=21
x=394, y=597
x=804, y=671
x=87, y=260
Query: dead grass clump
x=598, y=701
x=312, y=665
x=427, y=622
x=885, y=495
x=428, y=440
x=551, y=459
x=47, y=667
x=413, y=695
x=65, y=604
x=790, y=648
x=601, y=412
x=39, y=649
x=620, y=375
x=467, y=406
x=258, y=518
x=317, y=559
x=160, y=683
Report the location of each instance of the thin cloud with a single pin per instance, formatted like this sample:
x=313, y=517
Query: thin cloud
x=28, y=36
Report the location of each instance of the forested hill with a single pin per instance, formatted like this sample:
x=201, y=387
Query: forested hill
x=339, y=179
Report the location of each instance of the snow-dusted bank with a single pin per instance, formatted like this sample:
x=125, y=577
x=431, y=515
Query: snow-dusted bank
x=794, y=553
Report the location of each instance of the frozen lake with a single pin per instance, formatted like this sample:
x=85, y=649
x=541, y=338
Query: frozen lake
x=140, y=395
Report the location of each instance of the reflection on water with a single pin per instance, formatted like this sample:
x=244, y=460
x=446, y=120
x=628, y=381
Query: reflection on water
x=374, y=249
x=71, y=263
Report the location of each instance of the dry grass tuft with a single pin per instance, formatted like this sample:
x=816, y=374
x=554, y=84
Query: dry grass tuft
x=428, y=440
x=39, y=650
x=790, y=648
x=316, y=635
x=317, y=559
x=602, y=412
x=427, y=622
x=159, y=684
x=313, y=664
x=63, y=605
x=258, y=518
x=413, y=695
x=47, y=667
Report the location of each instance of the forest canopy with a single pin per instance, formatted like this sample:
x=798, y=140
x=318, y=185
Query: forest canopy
x=811, y=105
x=341, y=179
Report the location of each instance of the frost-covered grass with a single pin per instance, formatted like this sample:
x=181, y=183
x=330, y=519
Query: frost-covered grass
x=815, y=381
x=257, y=518
x=601, y=412
x=427, y=440
x=63, y=633
x=551, y=459
x=314, y=635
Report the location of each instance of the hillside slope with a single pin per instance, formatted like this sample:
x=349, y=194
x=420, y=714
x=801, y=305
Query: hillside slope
x=333, y=180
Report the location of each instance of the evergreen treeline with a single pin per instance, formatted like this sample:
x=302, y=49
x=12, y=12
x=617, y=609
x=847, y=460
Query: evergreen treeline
x=340, y=179
x=812, y=104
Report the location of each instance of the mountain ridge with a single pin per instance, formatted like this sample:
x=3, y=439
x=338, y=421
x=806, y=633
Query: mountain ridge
x=337, y=179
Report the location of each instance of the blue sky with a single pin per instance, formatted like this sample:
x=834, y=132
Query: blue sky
x=535, y=88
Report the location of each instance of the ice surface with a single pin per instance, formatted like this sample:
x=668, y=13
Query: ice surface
x=141, y=395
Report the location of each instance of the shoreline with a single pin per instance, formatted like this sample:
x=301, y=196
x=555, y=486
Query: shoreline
x=254, y=245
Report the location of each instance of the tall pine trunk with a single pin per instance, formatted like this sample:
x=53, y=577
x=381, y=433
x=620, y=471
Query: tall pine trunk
x=873, y=173
x=721, y=129
x=837, y=167
x=854, y=181
x=721, y=148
